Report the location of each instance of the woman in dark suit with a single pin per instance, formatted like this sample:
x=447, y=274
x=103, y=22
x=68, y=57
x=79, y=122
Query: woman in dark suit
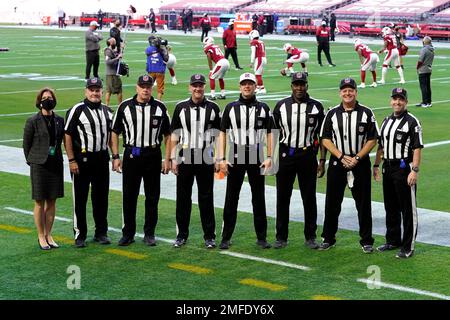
x=42, y=139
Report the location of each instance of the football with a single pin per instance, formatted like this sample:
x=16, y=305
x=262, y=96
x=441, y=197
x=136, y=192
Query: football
x=283, y=72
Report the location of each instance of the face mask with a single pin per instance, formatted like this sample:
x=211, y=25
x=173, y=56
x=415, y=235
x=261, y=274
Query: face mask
x=48, y=104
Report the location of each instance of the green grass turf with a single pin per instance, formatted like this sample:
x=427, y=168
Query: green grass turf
x=25, y=274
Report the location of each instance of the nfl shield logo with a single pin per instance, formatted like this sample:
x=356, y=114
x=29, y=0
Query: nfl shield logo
x=399, y=136
x=311, y=120
x=347, y=80
x=197, y=76
x=260, y=122
x=145, y=78
x=399, y=90
x=155, y=122
x=361, y=129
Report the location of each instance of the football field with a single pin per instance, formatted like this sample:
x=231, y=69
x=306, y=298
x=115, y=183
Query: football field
x=55, y=58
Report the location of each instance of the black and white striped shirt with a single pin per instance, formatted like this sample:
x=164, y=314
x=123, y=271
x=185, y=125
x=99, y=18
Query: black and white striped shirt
x=246, y=121
x=143, y=125
x=299, y=123
x=196, y=124
x=349, y=130
x=400, y=136
x=89, y=125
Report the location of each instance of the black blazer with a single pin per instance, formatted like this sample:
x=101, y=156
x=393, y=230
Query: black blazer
x=36, y=140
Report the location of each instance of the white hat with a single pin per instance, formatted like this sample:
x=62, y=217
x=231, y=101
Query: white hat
x=247, y=76
x=324, y=23
x=231, y=22
x=93, y=23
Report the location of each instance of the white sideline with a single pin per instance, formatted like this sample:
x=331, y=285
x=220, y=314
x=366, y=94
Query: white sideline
x=265, y=260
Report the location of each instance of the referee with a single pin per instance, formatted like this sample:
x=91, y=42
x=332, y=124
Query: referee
x=87, y=136
x=299, y=118
x=144, y=123
x=349, y=132
x=400, y=146
x=246, y=122
x=195, y=126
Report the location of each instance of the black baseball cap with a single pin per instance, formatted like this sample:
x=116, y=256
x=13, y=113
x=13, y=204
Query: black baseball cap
x=299, y=77
x=347, y=82
x=399, y=92
x=197, y=78
x=145, y=80
x=94, y=82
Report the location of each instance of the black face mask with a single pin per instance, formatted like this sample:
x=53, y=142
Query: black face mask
x=48, y=104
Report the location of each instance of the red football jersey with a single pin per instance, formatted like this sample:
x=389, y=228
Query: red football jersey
x=391, y=41
x=296, y=52
x=216, y=52
x=260, y=51
x=365, y=50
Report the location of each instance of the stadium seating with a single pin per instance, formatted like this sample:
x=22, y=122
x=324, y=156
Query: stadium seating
x=200, y=6
x=291, y=6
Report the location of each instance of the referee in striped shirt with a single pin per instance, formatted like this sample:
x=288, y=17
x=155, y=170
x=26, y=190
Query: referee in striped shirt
x=247, y=123
x=144, y=123
x=299, y=118
x=400, y=147
x=87, y=137
x=195, y=126
x=349, y=132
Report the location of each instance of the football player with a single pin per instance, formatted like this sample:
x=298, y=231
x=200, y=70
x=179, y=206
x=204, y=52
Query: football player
x=369, y=60
x=214, y=54
x=258, y=60
x=171, y=64
x=295, y=55
x=390, y=46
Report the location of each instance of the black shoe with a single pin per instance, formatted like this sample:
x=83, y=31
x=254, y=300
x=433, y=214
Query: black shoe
x=263, y=244
x=404, y=254
x=221, y=97
x=178, y=243
x=368, y=248
x=48, y=247
x=239, y=68
x=52, y=245
x=386, y=247
x=150, y=241
x=225, y=244
x=212, y=98
x=210, y=243
x=80, y=243
x=326, y=246
x=420, y=104
x=102, y=239
x=125, y=241
x=279, y=244
x=320, y=64
x=332, y=65
x=312, y=244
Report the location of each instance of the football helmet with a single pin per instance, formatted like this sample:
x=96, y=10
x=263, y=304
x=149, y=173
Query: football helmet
x=385, y=31
x=357, y=42
x=253, y=34
x=287, y=47
x=208, y=41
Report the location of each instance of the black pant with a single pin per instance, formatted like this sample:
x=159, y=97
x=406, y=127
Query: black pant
x=301, y=164
x=361, y=192
x=147, y=167
x=92, y=59
x=425, y=87
x=325, y=47
x=332, y=33
x=399, y=201
x=204, y=33
x=153, y=26
x=233, y=52
x=204, y=174
x=94, y=173
x=234, y=183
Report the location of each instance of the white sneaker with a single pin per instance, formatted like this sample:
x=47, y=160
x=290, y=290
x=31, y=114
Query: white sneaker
x=362, y=85
x=373, y=85
x=381, y=82
x=262, y=91
x=402, y=81
x=174, y=81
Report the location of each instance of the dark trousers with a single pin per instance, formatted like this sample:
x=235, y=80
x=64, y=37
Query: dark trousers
x=325, y=47
x=425, y=87
x=233, y=52
x=301, y=164
x=234, y=183
x=92, y=60
x=147, y=167
x=204, y=174
x=153, y=27
x=361, y=192
x=332, y=34
x=204, y=34
x=94, y=173
x=399, y=202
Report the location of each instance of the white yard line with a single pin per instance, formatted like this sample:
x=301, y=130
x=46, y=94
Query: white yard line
x=270, y=261
x=404, y=289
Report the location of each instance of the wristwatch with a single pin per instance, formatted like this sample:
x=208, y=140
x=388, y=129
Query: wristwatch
x=415, y=169
x=115, y=156
x=358, y=158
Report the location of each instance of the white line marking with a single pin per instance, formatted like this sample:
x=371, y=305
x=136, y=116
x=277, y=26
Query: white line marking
x=404, y=289
x=12, y=140
x=31, y=213
x=280, y=263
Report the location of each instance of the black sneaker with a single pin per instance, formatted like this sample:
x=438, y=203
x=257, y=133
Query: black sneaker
x=332, y=65
x=320, y=64
x=312, y=244
x=150, y=241
x=80, y=243
x=102, y=239
x=212, y=98
x=386, y=247
x=368, y=248
x=419, y=104
x=263, y=244
x=210, y=244
x=403, y=254
x=222, y=97
x=125, y=241
x=279, y=244
x=178, y=243
x=326, y=246
x=239, y=68
x=225, y=244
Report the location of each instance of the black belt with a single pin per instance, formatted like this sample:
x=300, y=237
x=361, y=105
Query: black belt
x=395, y=162
x=304, y=149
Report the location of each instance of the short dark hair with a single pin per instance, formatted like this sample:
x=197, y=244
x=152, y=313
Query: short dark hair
x=41, y=93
